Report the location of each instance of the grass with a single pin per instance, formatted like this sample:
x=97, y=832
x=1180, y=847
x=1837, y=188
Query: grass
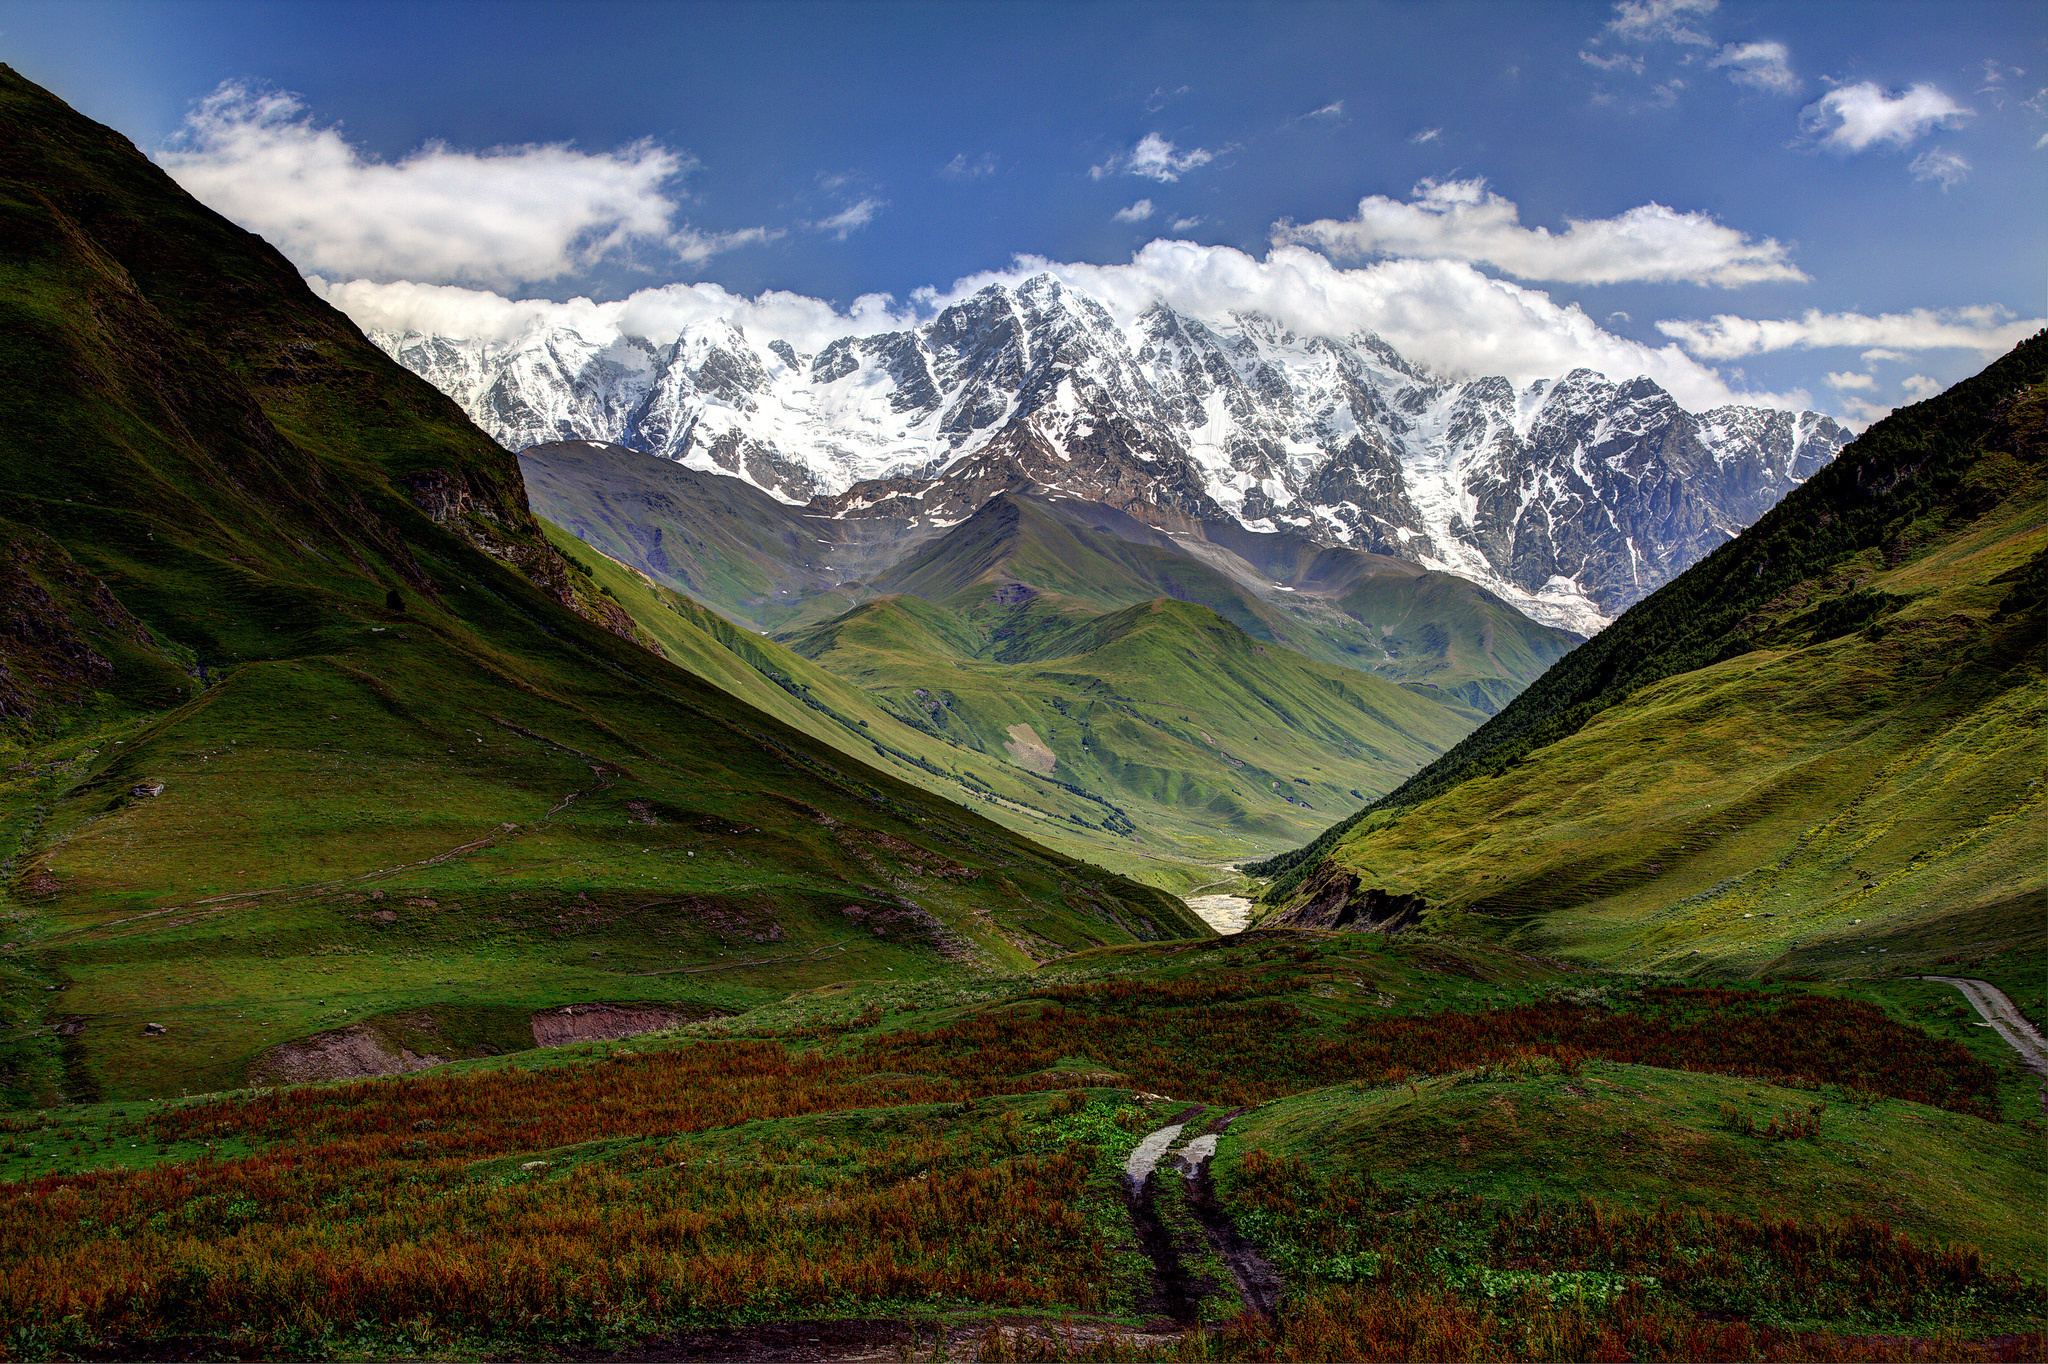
x=311, y=724
x=951, y=1152
x=1641, y=1137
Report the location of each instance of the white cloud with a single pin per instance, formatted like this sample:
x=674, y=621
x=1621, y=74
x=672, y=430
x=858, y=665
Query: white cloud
x=1853, y=118
x=1617, y=61
x=1136, y=213
x=1873, y=356
x=1858, y=414
x=1154, y=158
x=1937, y=164
x=1187, y=224
x=657, y=315
x=960, y=168
x=854, y=215
x=1918, y=387
x=1427, y=135
x=1988, y=329
x=1851, y=380
x=495, y=217
x=1463, y=220
x=1760, y=66
x=1997, y=73
x=1659, y=21
x=1333, y=112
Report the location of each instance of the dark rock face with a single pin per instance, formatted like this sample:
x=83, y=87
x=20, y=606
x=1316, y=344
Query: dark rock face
x=1334, y=899
x=1571, y=498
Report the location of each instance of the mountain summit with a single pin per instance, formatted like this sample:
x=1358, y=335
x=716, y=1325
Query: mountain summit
x=1573, y=498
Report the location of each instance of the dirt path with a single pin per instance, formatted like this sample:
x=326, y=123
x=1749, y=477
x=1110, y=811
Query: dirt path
x=1177, y=1292
x=2005, y=1019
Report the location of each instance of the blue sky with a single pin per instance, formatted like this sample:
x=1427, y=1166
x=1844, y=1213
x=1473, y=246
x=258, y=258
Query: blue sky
x=1854, y=190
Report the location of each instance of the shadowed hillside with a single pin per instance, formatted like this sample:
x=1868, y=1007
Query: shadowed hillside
x=313, y=738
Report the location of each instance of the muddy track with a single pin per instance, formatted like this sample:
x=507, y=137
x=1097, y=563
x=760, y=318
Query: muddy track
x=1177, y=1292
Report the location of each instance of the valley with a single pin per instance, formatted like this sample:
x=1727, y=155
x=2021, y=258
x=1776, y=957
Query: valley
x=1022, y=900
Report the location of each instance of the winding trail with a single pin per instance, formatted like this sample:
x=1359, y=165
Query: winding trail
x=2005, y=1019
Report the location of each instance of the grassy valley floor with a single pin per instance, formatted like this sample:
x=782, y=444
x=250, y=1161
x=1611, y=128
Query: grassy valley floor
x=1436, y=1149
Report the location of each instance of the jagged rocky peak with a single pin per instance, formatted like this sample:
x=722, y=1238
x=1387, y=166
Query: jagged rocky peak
x=1571, y=497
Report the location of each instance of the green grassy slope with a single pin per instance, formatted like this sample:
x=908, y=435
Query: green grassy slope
x=809, y=698
x=1638, y=1136
x=778, y=568
x=310, y=724
x=1209, y=740
x=1818, y=750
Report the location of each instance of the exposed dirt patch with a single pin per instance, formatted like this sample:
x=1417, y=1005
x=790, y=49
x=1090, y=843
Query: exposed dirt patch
x=349, y=1053
x=1028, y=750
x=594, y=1022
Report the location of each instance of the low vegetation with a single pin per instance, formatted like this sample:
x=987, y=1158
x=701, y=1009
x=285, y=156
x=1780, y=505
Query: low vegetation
x=1446, y=1144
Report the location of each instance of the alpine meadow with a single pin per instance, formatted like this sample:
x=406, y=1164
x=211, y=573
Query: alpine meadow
x=1411, y=722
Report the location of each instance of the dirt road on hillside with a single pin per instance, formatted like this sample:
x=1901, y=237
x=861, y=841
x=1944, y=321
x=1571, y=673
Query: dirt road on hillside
x=2005, y=1019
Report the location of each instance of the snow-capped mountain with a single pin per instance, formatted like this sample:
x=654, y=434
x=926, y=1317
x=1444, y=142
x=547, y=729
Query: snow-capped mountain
x=1573, y=498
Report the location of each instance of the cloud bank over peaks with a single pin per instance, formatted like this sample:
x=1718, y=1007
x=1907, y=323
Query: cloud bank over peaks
x=1154, y=158
x=1854, y=118
x=502, y=216
x=1444, y=315
x=1464, y=220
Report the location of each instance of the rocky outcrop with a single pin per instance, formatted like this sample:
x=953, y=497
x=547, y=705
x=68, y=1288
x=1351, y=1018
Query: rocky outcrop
x=1335, y=899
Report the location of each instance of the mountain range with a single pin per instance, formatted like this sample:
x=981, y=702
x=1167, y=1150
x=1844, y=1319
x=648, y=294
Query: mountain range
x=1570, y=498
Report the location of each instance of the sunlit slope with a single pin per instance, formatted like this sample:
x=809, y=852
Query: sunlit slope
x=1819, y=750
x=307, y=722
x=840, y=712
x=1204, y=736
x=1025, y=556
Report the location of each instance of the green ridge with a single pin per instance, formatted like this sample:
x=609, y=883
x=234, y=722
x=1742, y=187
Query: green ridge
x=305, y=723
x=1818, y=750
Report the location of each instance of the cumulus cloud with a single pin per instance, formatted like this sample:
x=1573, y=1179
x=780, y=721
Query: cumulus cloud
x=1154, y=158
x=854, y=215
x=1918, y=387
x=1937, y=164
x=1856, y=117
x=1851, y=380
x=1441, y=314
x=1988, y=329
x=501, y=216
x=1660, y=21
x=1463, y=220
x=1136, y=213
x=1187, y=224
x=1760, y=66
x=1877, y=353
